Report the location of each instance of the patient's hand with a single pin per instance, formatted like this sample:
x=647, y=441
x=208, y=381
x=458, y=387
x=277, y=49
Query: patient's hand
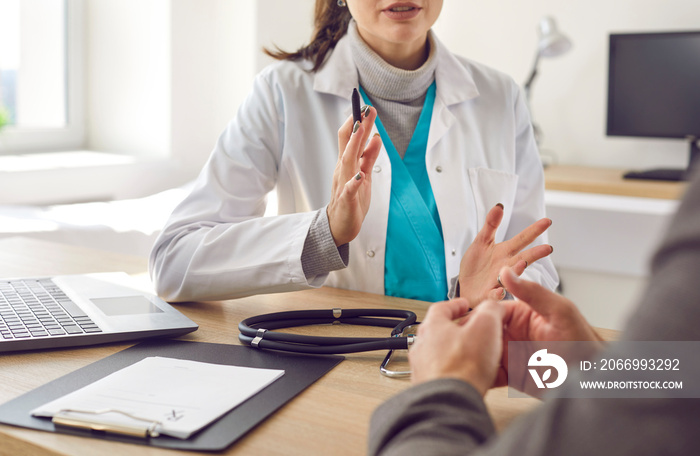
x=449, y=346
x=539, y=315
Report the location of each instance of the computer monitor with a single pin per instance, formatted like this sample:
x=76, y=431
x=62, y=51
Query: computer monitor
x=654, y=91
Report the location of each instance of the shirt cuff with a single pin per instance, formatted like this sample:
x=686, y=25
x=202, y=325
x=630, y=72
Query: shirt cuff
x=320, y=254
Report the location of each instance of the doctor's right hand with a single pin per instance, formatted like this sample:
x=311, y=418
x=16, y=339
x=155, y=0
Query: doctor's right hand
x=352, y=178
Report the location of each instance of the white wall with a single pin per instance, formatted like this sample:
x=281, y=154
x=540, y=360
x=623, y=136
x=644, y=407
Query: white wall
x=213, y=65
x=164, y=78
x=569, y=96
x=287, y=24
x=127, y=58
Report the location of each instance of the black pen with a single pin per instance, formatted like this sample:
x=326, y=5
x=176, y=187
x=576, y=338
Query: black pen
x=356, y=114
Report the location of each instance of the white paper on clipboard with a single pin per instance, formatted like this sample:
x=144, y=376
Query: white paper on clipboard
x=162, y=395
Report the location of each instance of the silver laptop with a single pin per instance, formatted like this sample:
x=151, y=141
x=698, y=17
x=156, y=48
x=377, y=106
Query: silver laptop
x=78, y=310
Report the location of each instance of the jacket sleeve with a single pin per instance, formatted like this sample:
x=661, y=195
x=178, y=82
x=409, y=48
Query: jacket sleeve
x=448, y=417
x=217, y=244
x=441, y=417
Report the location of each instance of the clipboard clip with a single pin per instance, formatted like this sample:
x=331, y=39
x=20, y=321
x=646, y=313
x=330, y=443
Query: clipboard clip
x=71, y=418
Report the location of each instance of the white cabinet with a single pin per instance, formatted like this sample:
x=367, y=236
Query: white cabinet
x=603, y=244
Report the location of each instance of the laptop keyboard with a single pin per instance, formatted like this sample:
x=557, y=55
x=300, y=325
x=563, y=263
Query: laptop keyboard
x=39, y=308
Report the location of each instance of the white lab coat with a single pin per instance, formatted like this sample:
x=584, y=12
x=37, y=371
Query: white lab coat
x=481, y=151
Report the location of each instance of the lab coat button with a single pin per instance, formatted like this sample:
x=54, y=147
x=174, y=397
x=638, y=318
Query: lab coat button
x=438, y=169
x=454, y=252
x=370, y=253
x=377, y=169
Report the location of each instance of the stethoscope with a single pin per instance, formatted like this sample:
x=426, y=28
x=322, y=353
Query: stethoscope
x=257, y=332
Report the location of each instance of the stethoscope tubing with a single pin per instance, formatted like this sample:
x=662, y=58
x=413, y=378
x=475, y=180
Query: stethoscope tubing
x=390, y=343
x=260, y=327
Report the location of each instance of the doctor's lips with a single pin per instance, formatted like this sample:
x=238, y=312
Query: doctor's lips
x=402, y=10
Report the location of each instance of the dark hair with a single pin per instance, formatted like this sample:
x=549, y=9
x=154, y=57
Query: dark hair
x=330, y=24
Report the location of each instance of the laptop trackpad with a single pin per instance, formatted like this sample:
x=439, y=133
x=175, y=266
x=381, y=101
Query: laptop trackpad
x=125, y=305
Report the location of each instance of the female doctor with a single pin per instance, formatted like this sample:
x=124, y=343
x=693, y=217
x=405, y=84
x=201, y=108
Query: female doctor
x=444, y=153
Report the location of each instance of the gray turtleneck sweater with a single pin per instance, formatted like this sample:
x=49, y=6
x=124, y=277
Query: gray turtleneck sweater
x=398, y=97
x=397, y=94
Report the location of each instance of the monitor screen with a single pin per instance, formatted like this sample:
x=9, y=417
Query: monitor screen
x=654, y=85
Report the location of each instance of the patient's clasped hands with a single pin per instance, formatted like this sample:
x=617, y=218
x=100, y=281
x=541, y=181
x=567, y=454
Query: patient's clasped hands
x=473, y=349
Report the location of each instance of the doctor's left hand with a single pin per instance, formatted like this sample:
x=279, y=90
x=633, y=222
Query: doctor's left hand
x=483, y=260
x=352, y=178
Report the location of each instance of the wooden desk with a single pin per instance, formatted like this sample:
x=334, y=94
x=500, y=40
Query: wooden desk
x=607, y=181
x=330, y=417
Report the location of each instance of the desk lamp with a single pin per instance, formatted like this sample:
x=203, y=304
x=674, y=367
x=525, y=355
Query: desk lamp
x=552, y=43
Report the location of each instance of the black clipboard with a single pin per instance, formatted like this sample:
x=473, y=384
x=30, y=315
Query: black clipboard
x=300, y=372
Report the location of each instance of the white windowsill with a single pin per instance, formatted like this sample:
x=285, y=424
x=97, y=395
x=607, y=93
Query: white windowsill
x=79, y=176
x=61, y=160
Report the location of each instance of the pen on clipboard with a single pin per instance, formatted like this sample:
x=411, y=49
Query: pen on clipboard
x=88, y=420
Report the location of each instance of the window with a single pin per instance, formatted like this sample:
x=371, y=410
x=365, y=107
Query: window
x=40, y=75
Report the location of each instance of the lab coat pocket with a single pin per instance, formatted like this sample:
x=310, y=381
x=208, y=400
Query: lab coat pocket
x=491, y=187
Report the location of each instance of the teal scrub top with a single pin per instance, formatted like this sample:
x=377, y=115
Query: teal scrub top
x=414, y=265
